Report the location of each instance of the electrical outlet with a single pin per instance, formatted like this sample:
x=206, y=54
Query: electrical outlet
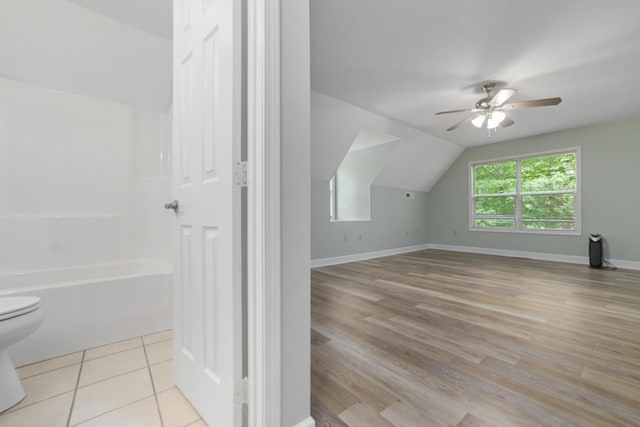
x=454, y=231
x=359, y=236
x=345, y=238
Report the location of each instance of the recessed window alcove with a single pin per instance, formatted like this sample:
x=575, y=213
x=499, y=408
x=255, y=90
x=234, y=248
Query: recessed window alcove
x=350, y=186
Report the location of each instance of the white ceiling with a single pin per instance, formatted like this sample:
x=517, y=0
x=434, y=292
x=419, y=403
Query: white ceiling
x=402, y=60
x=368, y=138
x=415, y=164
x=408, y=59
x=152, y=16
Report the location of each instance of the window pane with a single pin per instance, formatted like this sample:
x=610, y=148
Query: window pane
x=494, y=178
x=495, y=223
x=548, y=206
x=557, y=172
x=493, y=206
x=546, y=225
x=332, y=197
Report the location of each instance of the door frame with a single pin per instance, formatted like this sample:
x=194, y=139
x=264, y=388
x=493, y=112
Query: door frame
x=263, y=213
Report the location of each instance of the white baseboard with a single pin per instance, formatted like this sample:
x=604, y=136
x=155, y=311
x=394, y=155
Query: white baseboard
x=630, y=265
x=572, y=259
x=309, y=422
x=321, y=262
x=509, y=253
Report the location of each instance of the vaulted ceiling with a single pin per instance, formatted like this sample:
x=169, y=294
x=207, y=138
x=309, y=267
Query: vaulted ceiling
x=396, y=63
x=408, y=59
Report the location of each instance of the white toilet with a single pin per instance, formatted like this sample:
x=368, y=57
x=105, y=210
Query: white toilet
x=19, y=318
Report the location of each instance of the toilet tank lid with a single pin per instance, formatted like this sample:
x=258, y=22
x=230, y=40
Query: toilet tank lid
x=13, y=304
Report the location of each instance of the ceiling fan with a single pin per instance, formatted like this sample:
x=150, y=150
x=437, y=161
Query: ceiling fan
x=489, y=111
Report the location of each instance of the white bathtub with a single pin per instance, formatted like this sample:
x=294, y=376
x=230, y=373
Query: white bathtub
x=92, y=305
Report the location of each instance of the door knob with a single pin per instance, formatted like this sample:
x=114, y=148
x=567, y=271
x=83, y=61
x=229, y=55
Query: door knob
x=173, y=206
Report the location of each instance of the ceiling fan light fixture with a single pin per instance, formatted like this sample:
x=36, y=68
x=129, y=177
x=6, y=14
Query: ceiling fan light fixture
x=478, y=121
x=490, y=109
x=495, y=118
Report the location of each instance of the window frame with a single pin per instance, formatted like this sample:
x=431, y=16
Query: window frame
x=517, y=217
x=333, y=198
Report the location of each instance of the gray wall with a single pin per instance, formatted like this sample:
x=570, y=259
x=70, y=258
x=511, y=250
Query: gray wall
x=610, y=187
x=396, y=222
x=295, y=181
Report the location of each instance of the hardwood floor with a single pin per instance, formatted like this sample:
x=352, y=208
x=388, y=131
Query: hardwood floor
x=437, y=338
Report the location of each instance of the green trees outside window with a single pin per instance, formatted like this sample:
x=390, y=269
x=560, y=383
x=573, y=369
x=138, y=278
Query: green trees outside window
x=527, y=193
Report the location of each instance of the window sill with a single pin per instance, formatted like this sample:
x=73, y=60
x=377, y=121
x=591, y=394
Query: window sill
x=541, y=232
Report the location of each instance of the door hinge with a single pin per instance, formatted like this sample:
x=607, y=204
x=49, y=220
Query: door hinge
x=240, y=174
x=242, y=391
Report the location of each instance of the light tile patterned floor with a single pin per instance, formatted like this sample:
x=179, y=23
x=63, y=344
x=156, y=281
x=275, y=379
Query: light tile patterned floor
x=125, y=384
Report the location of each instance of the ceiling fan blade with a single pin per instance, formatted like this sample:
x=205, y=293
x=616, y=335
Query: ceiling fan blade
x=469, y=110
x=506, y=122
x=460, y=123
x=501, y=97
x=533, y=103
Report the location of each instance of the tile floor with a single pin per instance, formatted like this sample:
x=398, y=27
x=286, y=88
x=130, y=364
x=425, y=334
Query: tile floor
x=125, y=384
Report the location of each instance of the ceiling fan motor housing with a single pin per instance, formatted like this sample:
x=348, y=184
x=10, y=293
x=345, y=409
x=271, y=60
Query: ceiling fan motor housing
x=483, y=103
x=488, y=87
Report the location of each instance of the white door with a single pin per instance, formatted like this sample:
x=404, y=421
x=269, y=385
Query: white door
x=207, y=255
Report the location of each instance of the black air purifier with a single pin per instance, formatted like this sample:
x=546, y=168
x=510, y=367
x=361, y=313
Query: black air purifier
x=595, y=251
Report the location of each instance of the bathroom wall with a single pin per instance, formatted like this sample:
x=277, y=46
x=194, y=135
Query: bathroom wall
x=61, y=45
x=82, y=180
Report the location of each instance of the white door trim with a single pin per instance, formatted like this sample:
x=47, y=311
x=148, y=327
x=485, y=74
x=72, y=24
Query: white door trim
x=263, y=222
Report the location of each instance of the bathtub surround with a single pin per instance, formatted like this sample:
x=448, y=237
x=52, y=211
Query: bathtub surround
x=64, y=173
x=150, y=185
x=82, y=183
x=80, y=179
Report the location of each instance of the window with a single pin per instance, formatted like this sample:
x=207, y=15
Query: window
x=350, y=186
x=332, y=198
x=532, y=194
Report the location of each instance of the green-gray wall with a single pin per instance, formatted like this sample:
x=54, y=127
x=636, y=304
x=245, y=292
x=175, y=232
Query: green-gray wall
x=610, y=189
x=396, y=222
x=610, y=174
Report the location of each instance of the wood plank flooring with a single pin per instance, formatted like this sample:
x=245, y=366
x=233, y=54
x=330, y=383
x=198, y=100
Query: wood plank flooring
x=436, y=338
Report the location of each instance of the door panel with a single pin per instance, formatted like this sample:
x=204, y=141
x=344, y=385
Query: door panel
x=207, y=258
